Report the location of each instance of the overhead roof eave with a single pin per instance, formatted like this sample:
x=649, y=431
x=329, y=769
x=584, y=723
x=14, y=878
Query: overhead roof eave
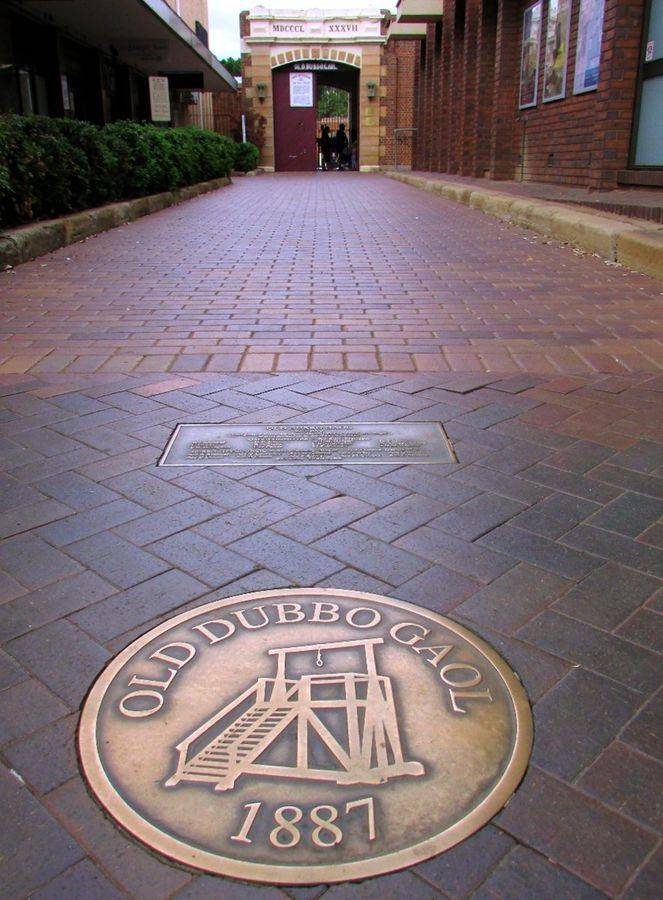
x=419, y=11
x=401, y=31
x=145, y=33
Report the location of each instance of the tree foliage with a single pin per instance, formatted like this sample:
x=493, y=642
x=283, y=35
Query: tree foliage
x=233, y=65
x=333, y=102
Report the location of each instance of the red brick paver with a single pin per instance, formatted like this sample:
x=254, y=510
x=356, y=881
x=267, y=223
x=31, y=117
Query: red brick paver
x=543, y=538
x=338, y=272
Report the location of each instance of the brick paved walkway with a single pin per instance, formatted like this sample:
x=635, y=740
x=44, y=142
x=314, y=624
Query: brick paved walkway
x=544, y=539
x=341, y=272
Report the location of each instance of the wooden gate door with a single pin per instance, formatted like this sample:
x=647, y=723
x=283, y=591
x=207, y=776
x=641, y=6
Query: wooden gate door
x=294, y=126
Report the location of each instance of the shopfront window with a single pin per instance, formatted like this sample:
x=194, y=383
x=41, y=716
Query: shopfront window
x=649, y=134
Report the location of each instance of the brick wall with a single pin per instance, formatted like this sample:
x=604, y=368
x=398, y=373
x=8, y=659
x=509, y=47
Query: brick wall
x=191, y=11
x=399, y=62
x=467, y=99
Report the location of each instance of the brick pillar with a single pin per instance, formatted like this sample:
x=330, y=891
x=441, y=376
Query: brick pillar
x=256, y=69
x=406, y=59
x=456, y=12
x=484, y=85
x=620, y=55
x=388, y=105
x=400, y=61
x=505, y=132
x=471, y=97
x=437, y=106
x=429, y=119
x=446, y=90
x=369, y=109
x=417, y=149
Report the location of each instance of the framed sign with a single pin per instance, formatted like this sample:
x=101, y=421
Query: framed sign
x=301, y=89
x=159, y=98
x=529, y=55
x=557, y=49
x=66, y=96
x=588, y=51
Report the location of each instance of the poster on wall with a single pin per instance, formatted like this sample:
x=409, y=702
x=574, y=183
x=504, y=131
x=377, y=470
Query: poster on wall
x=529, y=58
x=557, y=49
x=301, y=89
x=588, y=51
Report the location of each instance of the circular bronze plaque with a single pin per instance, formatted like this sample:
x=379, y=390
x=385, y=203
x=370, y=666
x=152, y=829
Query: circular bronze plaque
x=305, y=736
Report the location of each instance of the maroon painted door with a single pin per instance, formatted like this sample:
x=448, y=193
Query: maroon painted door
x=294, y=127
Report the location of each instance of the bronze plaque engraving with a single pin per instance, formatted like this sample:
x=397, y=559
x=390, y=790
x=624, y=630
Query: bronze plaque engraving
x=312, y=444
x=305, y=736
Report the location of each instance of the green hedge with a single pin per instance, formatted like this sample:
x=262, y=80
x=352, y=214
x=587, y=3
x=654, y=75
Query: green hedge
x=51, y=167
x=246, y=157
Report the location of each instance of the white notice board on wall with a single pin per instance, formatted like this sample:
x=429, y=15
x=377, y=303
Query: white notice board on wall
x=301, y=89
x=159, y=98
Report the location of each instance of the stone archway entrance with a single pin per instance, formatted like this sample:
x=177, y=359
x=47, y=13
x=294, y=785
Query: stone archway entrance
x=297, y=114
x=336, y=47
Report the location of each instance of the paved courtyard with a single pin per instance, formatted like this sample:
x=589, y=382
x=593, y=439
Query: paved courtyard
x=331, y=272
x=545, y=537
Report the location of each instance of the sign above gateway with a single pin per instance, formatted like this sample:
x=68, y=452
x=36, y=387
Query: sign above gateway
x=290, y=25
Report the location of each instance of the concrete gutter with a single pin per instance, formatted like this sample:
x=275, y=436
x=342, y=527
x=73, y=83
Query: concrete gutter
x=638, y=246
x=18, y=245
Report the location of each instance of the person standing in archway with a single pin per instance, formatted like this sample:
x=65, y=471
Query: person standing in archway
x=341, y=147
x=354, y=150
x=325, y=144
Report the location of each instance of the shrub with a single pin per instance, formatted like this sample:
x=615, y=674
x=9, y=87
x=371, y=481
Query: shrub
x=50, y=167
x=246, y=157
x=44, y=169
x=145, y=163
x=94, y=179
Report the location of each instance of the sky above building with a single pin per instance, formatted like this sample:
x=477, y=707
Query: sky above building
x=224, y=18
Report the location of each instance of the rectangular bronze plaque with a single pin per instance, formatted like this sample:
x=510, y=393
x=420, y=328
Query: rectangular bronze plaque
x=349, y=443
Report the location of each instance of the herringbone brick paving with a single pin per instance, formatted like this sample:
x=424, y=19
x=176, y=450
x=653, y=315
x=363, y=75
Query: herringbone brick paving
x=347, y=272
x=544, y=538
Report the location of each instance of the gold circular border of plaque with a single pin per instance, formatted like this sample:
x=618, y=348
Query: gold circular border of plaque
x=186, y=854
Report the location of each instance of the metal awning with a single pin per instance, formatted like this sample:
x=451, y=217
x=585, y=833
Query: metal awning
x=418, y=11
x=146, y=34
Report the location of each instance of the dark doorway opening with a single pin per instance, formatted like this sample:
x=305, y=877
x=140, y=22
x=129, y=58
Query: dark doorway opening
x=334, y=109
x=338, y=104
x=334, y=99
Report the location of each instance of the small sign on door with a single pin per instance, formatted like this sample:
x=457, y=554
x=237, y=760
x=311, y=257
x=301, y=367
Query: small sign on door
x=649, y=51
x=159, y=98
x=301, y=89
